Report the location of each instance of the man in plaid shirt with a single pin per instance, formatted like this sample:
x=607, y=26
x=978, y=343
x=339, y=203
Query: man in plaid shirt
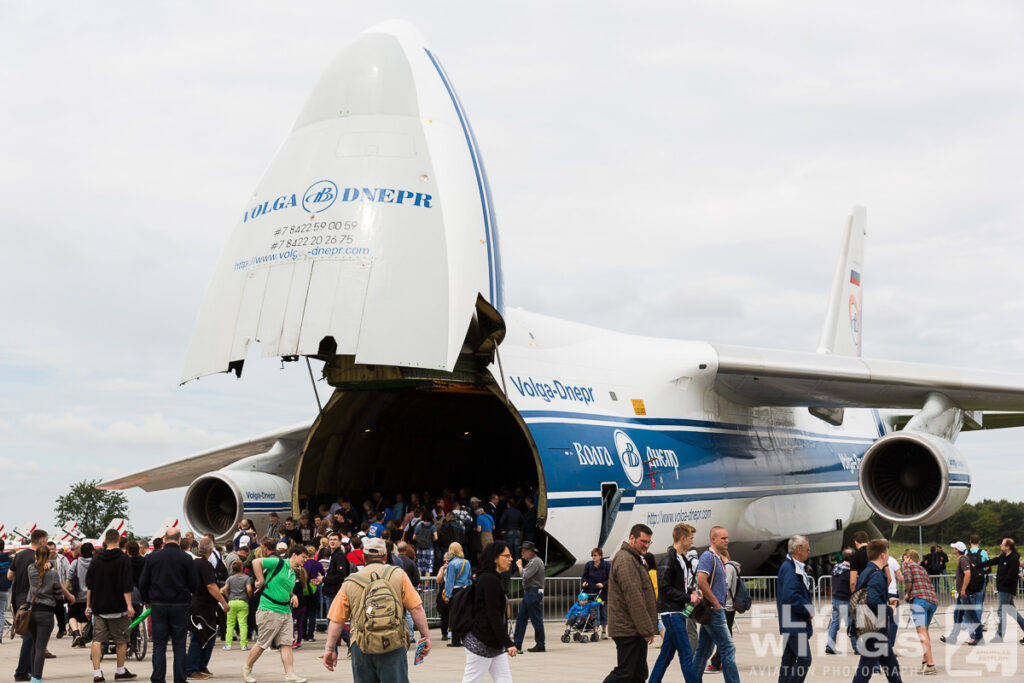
x=923, y=602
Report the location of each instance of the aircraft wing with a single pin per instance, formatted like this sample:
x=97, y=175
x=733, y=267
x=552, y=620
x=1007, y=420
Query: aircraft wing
x=183, y=472
x=768, y=377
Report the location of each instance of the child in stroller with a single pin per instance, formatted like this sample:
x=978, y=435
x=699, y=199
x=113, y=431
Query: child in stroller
x=581, y=620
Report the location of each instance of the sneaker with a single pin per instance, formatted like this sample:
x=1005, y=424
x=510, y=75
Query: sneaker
x=98, y=679
x=951, y=641
x=228, y=646
x=244, y=648
x=536, y=648
x=61, y=633
x=712, y=669
x=247, y=674
x=292, y=677
x=125, y=676
x=830, y=651
x=929, y=670
x=24, y=678
x=50, y=655
x=209, y=674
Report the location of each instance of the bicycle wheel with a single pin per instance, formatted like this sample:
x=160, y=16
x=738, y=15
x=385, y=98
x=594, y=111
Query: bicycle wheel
x=143, y=641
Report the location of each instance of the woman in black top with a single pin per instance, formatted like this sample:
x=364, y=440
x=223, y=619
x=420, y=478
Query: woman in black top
x=487, y=644
x=595, y=583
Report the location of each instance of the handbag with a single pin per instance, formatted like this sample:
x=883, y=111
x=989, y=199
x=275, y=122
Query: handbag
x=702, y=610
x=23, y=616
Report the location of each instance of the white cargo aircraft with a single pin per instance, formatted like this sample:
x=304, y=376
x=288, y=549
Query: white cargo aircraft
x=371, y=245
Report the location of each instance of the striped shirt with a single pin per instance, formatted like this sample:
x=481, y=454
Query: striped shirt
x=917, y=583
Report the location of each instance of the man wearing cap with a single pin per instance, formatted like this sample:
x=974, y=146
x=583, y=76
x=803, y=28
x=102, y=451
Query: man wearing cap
x=392, y=664
x=532, y=568
x=966, y=609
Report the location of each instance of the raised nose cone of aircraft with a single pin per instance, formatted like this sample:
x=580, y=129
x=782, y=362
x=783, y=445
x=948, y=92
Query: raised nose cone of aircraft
x=372, y=233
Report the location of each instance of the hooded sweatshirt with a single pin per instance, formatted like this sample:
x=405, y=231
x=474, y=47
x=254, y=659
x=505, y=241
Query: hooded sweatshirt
x=109, y=577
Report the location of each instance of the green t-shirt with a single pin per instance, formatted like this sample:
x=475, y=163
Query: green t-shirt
x=279, y=588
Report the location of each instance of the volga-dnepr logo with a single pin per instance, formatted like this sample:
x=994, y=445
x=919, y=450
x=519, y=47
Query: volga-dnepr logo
x=629, y=457
x=319, y=196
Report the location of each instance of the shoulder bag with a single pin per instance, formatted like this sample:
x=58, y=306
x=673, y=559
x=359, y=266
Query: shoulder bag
x=702, y=610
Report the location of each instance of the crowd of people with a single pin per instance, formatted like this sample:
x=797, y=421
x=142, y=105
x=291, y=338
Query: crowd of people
x=365, y=572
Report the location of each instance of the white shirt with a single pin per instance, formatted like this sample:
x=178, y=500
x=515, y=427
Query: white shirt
x=894, y=566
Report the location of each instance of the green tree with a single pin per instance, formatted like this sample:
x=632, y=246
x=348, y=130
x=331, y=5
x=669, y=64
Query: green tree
x=91, y=507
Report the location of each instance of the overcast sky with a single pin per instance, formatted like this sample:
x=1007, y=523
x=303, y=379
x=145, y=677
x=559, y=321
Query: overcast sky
x=678, y=170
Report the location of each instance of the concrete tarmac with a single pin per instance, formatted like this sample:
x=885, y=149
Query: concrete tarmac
x=756, y=639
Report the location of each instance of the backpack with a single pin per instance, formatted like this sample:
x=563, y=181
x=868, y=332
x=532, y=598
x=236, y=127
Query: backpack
x=460, y=611
x=977, y=582
x=424, y=536
x=378, y=619
x=863, y=619
x=741, y=596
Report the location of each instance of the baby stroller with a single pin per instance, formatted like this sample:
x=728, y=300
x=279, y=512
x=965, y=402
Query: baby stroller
x=581, y=620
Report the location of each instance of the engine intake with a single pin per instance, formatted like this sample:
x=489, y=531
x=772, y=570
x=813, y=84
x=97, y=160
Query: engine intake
x=216, y=502
x=913, y=478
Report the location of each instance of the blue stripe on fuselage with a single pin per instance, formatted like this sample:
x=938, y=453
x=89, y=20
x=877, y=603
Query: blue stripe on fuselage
x=581, y=455
x=483, y=187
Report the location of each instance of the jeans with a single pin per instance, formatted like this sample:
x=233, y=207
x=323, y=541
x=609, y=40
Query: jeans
x=796, y=657
x=199, y=654
x=876, y=652
x=716, y=633
x=169, y=621
x=512, y=539
x=5, y=623
x=391, y=667
x=968, y=607
x=716, y=659
x=530, y=609
x=24, y=656
x=630, y=661
x=840, y=613
x=40, y=626
x=1006, y=606
x=676, y=641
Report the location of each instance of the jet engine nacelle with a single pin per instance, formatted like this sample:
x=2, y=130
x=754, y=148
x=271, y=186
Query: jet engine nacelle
x=216, y=502
x=914, y=478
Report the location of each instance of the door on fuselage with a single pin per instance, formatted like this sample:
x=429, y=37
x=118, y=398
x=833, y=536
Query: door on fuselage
x=611, y=495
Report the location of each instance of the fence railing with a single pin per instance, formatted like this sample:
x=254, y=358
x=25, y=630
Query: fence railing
x=560, y=592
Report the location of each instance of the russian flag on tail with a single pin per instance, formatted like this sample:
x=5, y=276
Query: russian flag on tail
x=855, y=277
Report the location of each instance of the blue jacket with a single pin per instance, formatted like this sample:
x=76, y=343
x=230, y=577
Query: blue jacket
x=793, y=600
x=577, y=608
x=458, y=575
x=878, y=589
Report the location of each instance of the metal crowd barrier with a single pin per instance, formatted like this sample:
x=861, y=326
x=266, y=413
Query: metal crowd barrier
x=560, y=592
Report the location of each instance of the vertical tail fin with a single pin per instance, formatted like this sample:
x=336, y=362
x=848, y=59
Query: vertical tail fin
x=841, y=333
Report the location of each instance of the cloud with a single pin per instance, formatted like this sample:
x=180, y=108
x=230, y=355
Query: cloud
x=151, y=431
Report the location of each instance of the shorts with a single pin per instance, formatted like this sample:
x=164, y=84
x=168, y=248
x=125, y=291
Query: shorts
x=273, y=626
x=111, y=630
x=77, y=611
x=922, y=612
